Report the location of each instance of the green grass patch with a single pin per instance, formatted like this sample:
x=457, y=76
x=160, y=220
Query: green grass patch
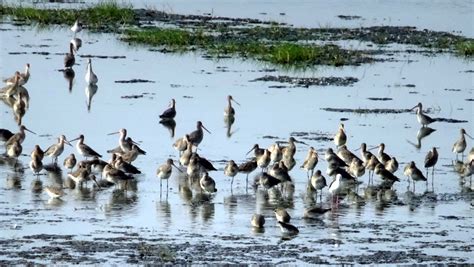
x=174, y=38
x=280, y=53
x=465, y=48
x=95, y=17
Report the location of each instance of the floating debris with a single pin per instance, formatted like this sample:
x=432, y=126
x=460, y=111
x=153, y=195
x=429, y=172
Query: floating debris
x=131, y=96
x=380, y=98
x=349, y=17
x=135, y=81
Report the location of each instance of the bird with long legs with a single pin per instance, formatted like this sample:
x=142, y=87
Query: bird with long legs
x=421, y=117
x=431, y=159
x=460, y=145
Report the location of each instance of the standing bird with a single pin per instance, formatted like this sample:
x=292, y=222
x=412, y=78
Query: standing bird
x=335, y=187
x=182, y=144
x=36, y=165
x=76, y=43
x=257, y=151
x=356, y=168
x=186, y=156
x=70, y=162
x=364, y=153
x=310, y=162
x=392, y=165
x=164, y=172
x=229, y=110
x=382, y=156
x=231, y=170
x=91, y=77
x=460, y=145
x=207, y=183
x=318, y=182
x=340, y=138
x=77, y=27
x=422, y=118
x=37, y=152
x=290, y=150
x=247, y=168
x=20, y=136
x=69, y=58
x=170, y=112
x=195, y=137
x=430, y=160
x=414, y=173
x=55, y=150
x=85, y=150
x=264, y=160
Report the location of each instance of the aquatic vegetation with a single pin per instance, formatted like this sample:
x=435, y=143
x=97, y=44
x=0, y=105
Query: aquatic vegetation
x=175, y=38
x=465, y=48
x=102, y=15
x=281, y=53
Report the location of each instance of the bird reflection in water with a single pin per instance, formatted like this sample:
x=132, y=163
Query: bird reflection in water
x=169, y=124
x=14, y=182
x=229, y=121
x=91, y=90
x=55, y=202
x=208, y=210
x=54, y=173
x=36, y=186
x=121, y=201
x=69, y=75
x=163, y=209
x=422, y=133
x=19, y=108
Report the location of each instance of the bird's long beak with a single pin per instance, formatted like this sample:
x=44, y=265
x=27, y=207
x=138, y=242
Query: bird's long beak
x=414, y=107
x=67, y=142
x=113, y=133
x=235, y=101
x=75, y=139
x=177, y=168
x=301, y=142
x=35, y=133
x=205, y=129
x=250, y=150
x=469, y=136
x=372, y=148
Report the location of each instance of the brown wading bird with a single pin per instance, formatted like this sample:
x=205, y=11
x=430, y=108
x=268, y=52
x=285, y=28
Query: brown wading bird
x=430, y=161
x=69, y=58
x=195, y=137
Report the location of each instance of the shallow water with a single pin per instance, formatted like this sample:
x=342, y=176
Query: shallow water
x=200, y=87
x=437, y=15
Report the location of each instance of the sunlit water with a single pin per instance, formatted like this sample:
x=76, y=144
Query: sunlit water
x=200, y=88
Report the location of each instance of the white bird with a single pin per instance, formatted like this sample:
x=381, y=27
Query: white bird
x=91, y=78
x=77, y=27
